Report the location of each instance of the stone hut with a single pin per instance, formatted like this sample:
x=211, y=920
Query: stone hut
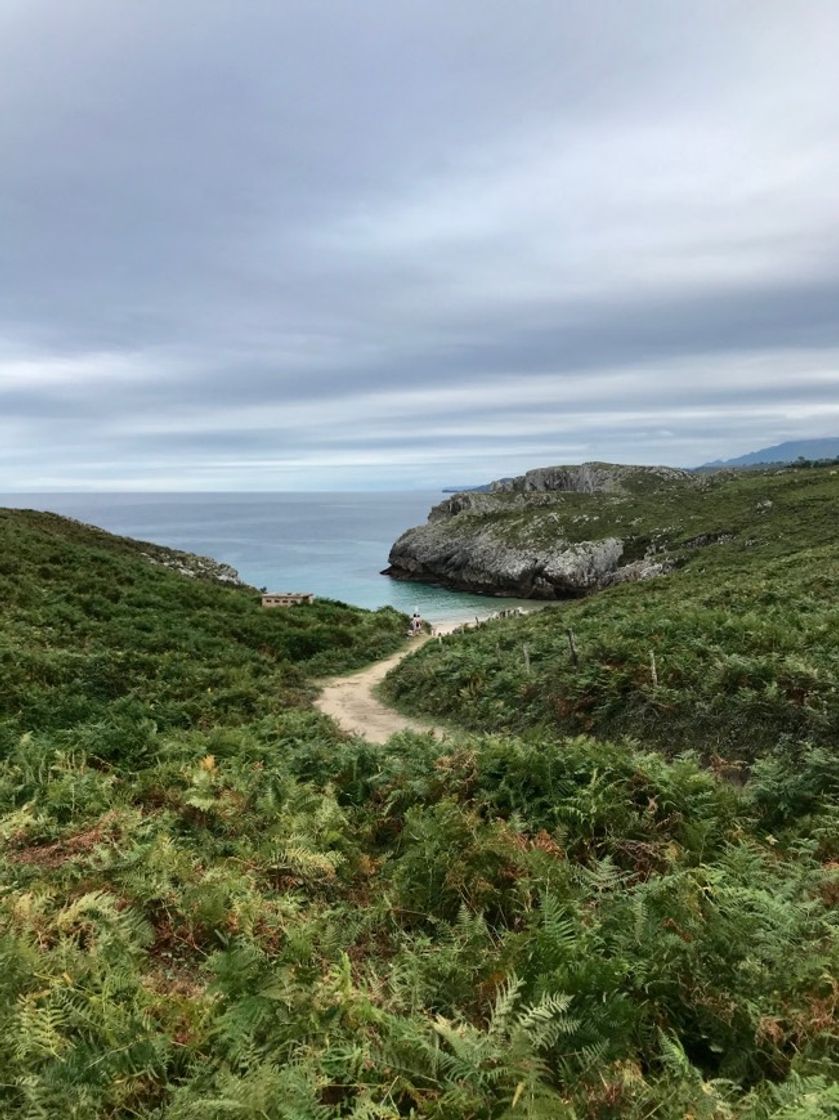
x=286, y=599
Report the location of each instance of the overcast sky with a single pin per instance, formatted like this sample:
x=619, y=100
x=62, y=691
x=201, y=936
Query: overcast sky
x=270, y=244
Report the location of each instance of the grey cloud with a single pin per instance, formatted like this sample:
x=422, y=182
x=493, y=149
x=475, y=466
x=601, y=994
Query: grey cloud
x=315, y=203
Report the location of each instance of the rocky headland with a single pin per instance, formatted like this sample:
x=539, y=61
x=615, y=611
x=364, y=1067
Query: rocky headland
x=553, y=533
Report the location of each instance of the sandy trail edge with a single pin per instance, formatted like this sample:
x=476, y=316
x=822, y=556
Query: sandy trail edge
x=349, y=700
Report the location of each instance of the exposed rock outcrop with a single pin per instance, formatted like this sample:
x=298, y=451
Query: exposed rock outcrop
x=194, y=567
x=591, y=478
x=523, y=539
x=483, y=563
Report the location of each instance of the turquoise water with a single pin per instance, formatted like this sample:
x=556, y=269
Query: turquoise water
x=334, y=545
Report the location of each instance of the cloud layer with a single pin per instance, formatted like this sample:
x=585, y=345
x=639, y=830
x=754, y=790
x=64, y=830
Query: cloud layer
x=316, y=245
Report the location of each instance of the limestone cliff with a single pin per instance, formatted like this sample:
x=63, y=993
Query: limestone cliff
x=591, y=478
x=552, y=533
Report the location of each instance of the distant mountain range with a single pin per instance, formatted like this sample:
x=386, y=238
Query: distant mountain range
x=827, y=448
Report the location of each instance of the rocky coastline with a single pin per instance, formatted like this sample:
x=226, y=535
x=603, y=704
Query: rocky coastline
x=527, y=538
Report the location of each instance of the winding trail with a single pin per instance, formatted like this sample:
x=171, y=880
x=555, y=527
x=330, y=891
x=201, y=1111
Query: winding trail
x=350, y=700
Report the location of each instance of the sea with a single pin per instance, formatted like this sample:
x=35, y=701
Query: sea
x=332, y=544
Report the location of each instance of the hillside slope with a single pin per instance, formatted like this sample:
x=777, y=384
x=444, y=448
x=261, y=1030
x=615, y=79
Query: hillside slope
x=97, y=627
x=744, y=631
x=214, y=905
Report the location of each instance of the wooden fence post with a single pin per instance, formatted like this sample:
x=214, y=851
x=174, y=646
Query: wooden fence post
x=572, y=645
x=526, y=651
x=653, y=670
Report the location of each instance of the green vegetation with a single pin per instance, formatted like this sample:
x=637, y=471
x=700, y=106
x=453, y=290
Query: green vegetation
x=215, y=906
x=744, y=634
x=97, y=640
x=673, y=515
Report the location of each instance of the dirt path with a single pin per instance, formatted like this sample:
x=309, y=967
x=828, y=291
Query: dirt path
x=351, y=703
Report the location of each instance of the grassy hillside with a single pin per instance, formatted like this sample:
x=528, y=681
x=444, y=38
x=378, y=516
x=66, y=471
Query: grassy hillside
x=672, y=514
x=93, y=632
x=215, y=906
x=744, y=633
